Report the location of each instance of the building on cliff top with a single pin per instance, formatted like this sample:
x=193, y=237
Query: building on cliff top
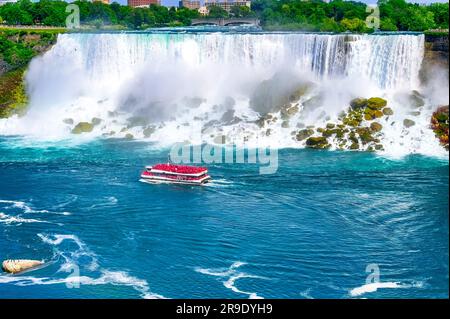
x=142, y=3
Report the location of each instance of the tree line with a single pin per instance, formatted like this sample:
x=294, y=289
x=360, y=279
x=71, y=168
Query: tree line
x=313, y=15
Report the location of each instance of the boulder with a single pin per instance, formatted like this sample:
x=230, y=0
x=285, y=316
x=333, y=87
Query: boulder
x=129, y=136
x=304, y=134
x=317, y=142
x=96, y=121
x=408, y=123
x=358, y=103
x=354, y=146
x=148, y=131
x=83, y=127
x=137, y=121
x=376, y=127
x=376, y=103
x=15, y=266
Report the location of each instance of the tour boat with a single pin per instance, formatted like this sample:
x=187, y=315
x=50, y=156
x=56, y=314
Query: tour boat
x=175, y=174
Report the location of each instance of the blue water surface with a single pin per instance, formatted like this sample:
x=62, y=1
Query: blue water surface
x=316, y=229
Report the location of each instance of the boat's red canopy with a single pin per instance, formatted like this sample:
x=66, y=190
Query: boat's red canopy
x=182, y=169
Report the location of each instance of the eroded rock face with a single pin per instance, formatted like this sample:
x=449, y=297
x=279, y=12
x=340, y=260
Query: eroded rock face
x=440, y=125
x=281, y=90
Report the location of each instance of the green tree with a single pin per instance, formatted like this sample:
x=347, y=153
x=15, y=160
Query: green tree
x=217, y=12
x=354, y=25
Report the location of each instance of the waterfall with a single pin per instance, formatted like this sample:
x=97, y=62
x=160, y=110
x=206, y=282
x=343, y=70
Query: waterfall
x=172, y=80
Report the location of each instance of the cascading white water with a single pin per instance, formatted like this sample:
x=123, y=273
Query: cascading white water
x=179, y=84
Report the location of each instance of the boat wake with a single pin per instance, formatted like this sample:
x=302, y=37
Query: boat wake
x=230, y=276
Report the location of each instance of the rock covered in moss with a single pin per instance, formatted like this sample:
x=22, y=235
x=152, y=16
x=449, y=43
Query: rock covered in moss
x=388, y=111
x=304, y=134
x=440, y=125
x=317, y=142
x=83, y=127
x=376, y=127
x=358, y=103
x=376, y=103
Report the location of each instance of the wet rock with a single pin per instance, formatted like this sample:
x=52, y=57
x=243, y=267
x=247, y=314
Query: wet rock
x=379, y=147
x=416, y=99
x=313, y=103
x=304, y=134
x=129, y=136
x=137, y=121
x=408, y=123
x=364, y=134
x=277, y=92
x=287, y=113
x=317, y=142
x=148, y=131
x=285, y=124
x=354, y=146
x=330, y=125
x=440, y=125
x=83, y=127
x=376, y=103
x=68, y=121
x=388, y=111
x=358, y=103
x=221, y=139
x=376, y=127
x=96, y=121
x=110, y=133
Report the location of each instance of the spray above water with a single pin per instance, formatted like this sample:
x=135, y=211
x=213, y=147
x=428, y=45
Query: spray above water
x=214, y=87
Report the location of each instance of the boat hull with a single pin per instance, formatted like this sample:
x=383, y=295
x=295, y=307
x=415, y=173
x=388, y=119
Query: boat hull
x=162, y=180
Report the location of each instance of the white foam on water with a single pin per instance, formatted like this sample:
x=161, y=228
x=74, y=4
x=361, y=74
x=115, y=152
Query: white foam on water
x=7, y=219
x=27, y=208
x=108, y=201
x=230, y=276
x=373, y=287
x=86, y=261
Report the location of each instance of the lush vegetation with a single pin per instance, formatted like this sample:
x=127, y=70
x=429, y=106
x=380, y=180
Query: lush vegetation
x=17, y=48
x=313, y=15
x=339, y=15
x=93, y=14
